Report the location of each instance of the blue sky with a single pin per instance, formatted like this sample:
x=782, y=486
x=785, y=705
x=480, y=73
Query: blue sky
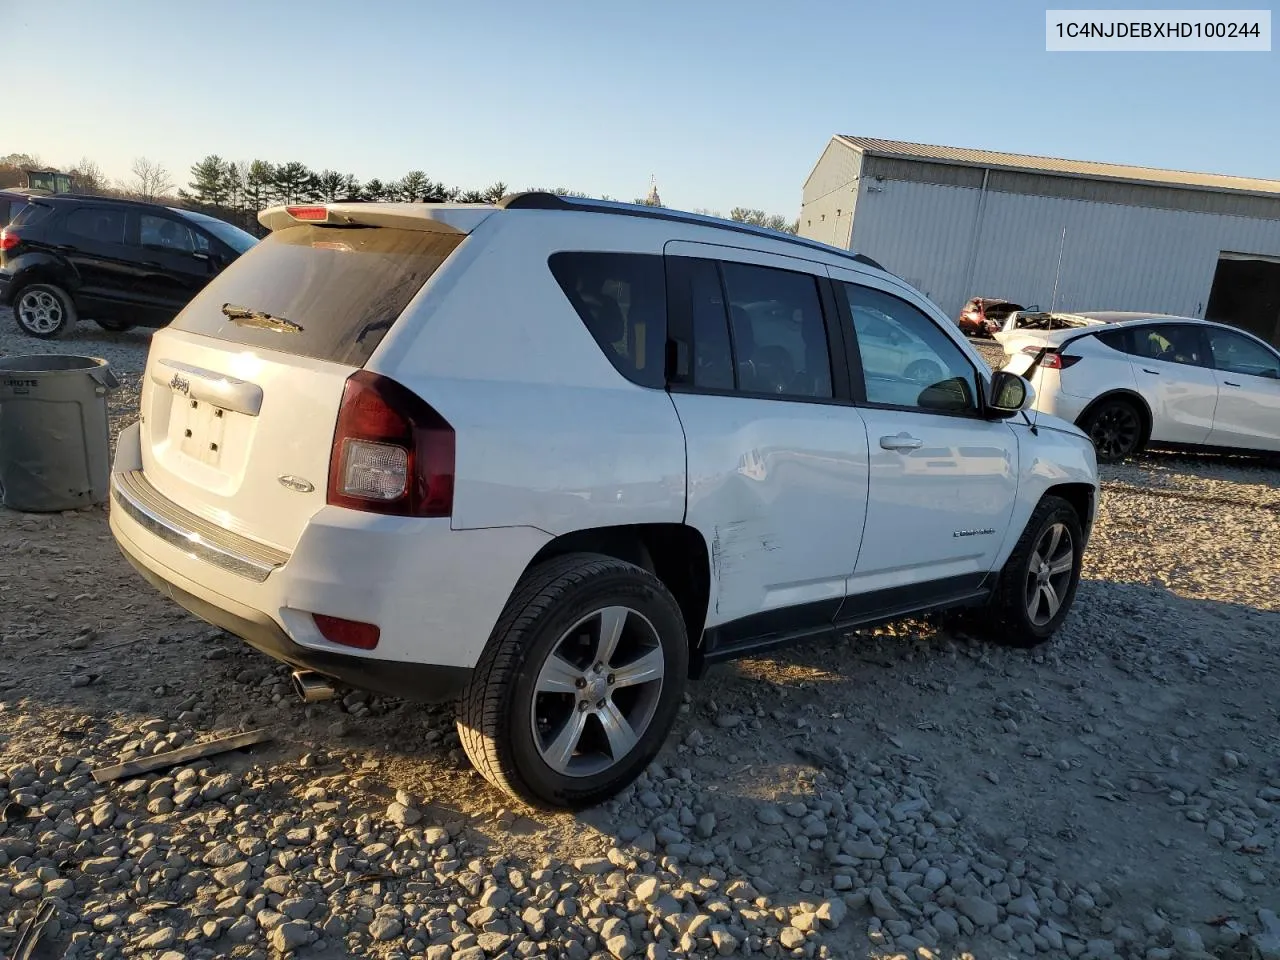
x=727, y=103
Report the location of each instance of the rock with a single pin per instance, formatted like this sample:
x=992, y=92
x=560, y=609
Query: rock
x=241, y=930
x=726, y=943
x=29, y=889
x=620, y=946
x=648, y=891
x=983, y=913
x=384, y=928
x=233, y=875
x=160, y=939
x=1187, y=941
x=706, y=825
x=1230, y=890
x=770, y=815
x=790, y=937
x=805, y=922
x=935, y=879
x=403, y=815
x=864, y=850
x=218, y=787
x=881, y=906
x=832, y=913
x=290, y=935
x=946, y=924
x=223, y=855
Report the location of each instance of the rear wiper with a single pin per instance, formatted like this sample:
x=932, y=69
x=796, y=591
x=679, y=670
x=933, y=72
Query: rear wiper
x=243, y=316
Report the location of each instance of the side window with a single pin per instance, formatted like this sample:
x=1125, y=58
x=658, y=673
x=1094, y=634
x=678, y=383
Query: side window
x=101, y=224
x=1115, y=339
x=712, y=352
x=622, y=299
x=906, y=360
x=1172, y=343
x=779, y=335
x=1236, y=354
x=165, y=234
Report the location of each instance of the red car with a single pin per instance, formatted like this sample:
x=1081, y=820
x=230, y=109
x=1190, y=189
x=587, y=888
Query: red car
x=983, y=316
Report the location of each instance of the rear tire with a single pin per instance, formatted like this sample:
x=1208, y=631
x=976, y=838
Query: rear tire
x=44, y=311
x=1039, y=581
x=115, y=326
x=579, y=684
x=1116, y=428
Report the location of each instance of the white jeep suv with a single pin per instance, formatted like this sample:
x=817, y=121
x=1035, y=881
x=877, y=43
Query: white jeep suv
x=552, y=458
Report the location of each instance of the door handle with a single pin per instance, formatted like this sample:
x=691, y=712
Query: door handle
x=1154, y=373
x=902, y=441
x=1230, y=383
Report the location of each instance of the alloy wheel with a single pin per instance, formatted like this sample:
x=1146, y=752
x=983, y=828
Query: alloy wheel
x=1049, y=573
x=40, y=311
x=597, y=691
x=1115, y=431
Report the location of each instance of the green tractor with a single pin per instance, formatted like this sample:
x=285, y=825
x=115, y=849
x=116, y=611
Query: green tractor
x=49, y=181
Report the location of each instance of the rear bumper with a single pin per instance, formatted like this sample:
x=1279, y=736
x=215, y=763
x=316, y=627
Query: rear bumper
x=413, y=681
x=434, y=593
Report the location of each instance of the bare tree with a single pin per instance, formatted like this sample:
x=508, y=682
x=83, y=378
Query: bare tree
x=89, y=176
x=150, y=179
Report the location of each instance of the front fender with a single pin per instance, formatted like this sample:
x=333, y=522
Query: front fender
x=1053, y=456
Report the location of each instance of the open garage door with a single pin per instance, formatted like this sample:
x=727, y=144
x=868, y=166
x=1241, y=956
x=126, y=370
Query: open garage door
x=1246, y=294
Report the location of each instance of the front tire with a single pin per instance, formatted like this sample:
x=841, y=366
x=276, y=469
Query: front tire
x=44, y=311
x=1115, y=427
x=579, y=684
x=1039, y=581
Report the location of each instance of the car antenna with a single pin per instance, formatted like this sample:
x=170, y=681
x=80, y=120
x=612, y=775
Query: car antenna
x=1035, y=431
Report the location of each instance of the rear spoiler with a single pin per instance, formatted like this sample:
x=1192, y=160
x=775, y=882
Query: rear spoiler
x=458, y=218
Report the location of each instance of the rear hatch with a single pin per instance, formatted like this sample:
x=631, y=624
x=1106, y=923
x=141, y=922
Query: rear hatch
x=1022, y=346
x=242, y=391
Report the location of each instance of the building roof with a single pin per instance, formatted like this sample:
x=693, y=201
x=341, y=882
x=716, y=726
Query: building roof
x=1026, y=163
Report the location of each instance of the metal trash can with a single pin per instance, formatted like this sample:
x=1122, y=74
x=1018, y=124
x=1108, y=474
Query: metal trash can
x=55, y=448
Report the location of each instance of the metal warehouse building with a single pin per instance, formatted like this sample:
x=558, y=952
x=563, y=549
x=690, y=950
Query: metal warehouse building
x=1060, y=234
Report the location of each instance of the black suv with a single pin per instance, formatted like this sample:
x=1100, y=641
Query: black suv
x=122, y=263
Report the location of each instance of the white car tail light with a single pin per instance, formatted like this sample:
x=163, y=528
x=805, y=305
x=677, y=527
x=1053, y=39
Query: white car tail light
x=374, y=471
x=392, y=453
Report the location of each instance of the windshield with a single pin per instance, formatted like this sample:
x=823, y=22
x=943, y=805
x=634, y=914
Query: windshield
x=237, y=239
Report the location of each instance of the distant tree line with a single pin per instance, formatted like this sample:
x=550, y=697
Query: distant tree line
x=236, y=190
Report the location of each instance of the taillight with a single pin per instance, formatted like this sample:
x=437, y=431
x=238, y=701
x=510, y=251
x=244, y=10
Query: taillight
x=1052, y=360
x=308, y=213
x=8, y=239
x=349, y=633
x=392, y=453
x=1056, y=361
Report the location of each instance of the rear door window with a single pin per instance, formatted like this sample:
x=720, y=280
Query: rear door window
x=343, y=286
x=99, y=224
x=622, y=300
x=1171, y=343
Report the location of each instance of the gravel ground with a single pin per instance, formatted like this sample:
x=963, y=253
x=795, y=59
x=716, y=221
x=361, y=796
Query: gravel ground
x=899, y=792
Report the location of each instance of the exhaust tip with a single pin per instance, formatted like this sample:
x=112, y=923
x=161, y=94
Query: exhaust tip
x=311, y=687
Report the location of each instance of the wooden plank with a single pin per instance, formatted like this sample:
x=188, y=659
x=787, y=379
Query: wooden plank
x=172, y=758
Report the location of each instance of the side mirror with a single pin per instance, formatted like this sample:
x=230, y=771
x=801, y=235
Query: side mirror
x=1009, y=394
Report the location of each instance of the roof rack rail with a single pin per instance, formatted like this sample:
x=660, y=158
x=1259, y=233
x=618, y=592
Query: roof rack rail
x=534, y=200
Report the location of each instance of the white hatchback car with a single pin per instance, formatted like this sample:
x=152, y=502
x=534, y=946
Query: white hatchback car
x=1131, y=380
x=551, y=458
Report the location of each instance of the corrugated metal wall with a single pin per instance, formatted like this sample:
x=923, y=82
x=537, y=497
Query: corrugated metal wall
x=1114, y=257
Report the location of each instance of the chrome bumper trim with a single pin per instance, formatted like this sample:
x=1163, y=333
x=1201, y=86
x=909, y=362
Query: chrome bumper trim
x=135, y=496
